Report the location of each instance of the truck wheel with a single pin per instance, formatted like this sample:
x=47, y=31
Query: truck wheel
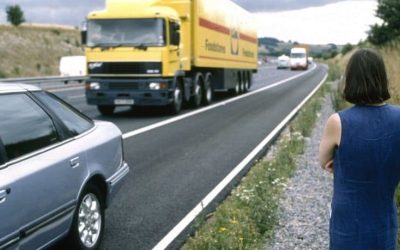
x=176, y=105
x=236, y=90
x=88, y=223
x=246, y=84
x=208, y=92
x=106, y=109
x=198, y=91
x=241, y=83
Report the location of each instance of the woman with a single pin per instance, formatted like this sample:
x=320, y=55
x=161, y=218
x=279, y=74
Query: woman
x=361, y=146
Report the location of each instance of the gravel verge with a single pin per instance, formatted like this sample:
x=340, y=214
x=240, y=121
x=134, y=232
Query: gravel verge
x=305, y=206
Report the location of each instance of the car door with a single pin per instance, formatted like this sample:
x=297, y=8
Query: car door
x=41, y=176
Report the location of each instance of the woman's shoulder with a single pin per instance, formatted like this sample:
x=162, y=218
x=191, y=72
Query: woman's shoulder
x=333, y=123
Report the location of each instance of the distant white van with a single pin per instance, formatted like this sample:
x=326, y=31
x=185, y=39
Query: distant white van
x=298, y=58
x=73, y=66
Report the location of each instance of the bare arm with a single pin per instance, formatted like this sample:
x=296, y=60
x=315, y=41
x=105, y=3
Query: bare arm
x=330, y=139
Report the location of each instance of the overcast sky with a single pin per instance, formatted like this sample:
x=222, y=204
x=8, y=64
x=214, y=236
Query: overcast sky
x=283, y=19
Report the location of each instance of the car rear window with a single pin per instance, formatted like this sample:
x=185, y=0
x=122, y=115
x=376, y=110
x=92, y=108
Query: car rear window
x=74, y=120
x=24, y=126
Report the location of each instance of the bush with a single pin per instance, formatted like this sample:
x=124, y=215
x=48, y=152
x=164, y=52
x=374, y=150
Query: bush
x=347, y=48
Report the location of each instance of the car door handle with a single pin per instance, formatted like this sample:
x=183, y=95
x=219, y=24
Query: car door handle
x=74, y=162
x=3, y=194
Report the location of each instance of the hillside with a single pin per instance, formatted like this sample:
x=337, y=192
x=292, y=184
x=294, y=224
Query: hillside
x=276, y=47
x=29, y=51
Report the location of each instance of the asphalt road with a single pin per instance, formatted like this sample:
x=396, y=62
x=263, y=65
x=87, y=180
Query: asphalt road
x=175, y=166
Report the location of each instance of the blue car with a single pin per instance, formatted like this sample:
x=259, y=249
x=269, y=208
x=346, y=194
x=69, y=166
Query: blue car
x=59, y=171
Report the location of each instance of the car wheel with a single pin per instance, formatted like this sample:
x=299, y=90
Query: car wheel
x=88, y=222
x=106, y=109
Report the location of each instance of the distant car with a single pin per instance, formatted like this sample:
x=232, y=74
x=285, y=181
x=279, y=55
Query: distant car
x=310, y=60
x=283, y=62
x=59, y=170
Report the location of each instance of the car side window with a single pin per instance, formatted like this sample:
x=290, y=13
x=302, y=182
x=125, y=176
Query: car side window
x=75, y=122
x=24, y=126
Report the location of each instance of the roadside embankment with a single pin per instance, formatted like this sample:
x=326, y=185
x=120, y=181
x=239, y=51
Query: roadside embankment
x=29, y=51
x=305, y=205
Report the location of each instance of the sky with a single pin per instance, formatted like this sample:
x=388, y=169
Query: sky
x=306, y=21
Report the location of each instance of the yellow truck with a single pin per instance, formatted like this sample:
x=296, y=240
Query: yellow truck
x=167, y=52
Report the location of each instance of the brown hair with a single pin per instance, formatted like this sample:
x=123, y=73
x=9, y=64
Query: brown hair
x=365, y=78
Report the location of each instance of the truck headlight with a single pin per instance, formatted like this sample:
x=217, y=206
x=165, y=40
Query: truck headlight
x=94, y=86
x=154, y=86
x=158, y=86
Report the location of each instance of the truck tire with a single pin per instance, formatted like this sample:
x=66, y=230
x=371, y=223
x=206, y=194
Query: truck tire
x=241, y=82
x=236, y=89
x=197, y=91
x=246, y=84
x=207, y=91
x=106, y=109
x=176, y=105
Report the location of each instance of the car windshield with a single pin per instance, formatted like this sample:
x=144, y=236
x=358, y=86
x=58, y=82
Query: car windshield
x=298, y=55
x=126, y=32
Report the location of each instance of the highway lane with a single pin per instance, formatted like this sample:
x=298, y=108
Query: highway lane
x=128, y=119
x=176, y=165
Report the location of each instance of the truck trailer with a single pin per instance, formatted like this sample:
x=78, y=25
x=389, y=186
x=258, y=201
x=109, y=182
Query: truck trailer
x=167, y=52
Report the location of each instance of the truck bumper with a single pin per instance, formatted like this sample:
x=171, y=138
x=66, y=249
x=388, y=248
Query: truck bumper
x=129, y=92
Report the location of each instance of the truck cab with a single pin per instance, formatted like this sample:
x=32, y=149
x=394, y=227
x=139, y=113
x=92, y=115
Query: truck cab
x=132, y=60
x=298, y=59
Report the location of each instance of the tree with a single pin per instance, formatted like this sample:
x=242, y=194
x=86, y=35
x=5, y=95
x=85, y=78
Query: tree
x=15, y=15
x=389, y=30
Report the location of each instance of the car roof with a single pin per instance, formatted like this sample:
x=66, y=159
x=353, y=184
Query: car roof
x=17, y=87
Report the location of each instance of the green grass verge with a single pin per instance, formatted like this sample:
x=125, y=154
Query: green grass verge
x=247, y=218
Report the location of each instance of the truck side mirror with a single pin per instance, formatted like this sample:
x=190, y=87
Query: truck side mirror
x=83, y=37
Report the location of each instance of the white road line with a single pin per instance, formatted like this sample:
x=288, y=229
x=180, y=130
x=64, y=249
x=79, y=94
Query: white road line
x=75, y=97
x=55, y=90
x=181, y=117
x=164, y=243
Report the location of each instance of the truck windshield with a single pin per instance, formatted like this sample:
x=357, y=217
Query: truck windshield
x=298, y=55
x=126, y=32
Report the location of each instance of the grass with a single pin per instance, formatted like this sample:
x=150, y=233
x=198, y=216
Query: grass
x=247, y=218
x=29, y=51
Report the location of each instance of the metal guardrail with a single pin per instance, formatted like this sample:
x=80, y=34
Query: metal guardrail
x=47, y=81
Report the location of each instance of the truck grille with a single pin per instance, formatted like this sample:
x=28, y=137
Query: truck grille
x=125, y=68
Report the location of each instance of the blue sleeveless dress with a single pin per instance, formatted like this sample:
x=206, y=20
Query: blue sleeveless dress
x=366, y=174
